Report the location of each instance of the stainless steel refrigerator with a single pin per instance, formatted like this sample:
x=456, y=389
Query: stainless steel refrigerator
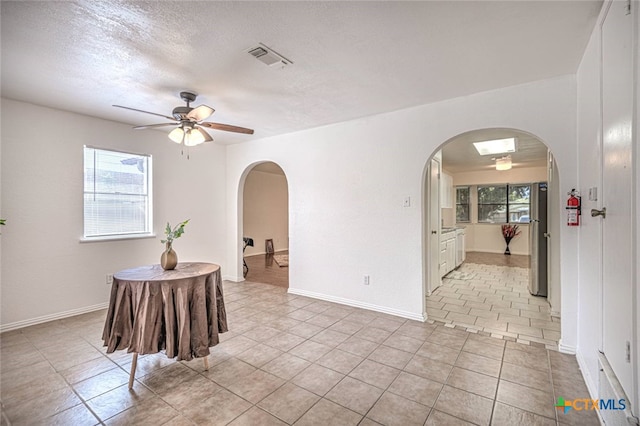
x=538, y=239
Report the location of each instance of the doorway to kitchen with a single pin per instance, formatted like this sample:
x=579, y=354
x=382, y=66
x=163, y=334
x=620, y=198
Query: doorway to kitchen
x=491, y=264
x=265, y=225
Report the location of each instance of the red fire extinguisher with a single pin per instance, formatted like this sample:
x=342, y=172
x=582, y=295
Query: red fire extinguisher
x=573, y=208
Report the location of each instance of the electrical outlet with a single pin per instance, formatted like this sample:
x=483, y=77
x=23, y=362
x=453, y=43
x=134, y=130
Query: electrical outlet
x=366, y=280
x=109, y=279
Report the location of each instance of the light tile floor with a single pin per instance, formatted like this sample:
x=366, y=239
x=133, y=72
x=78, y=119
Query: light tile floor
x=496, y=300
x=289, y=360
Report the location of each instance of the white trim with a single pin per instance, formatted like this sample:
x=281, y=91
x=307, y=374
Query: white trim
x=232, y=278
x=358, y=304
x=592, y=387
x=566, y=349
x=116, y=237
x=51, y=317
x=262, y=253
x=519, y=253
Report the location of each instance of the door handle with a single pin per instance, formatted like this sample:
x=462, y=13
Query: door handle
x=596, y=212
x=546, y=235
x=434, y=232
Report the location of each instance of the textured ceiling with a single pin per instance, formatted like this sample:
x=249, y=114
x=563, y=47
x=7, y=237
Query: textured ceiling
x=351, y=59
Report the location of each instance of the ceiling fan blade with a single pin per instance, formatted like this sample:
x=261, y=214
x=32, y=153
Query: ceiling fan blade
x=207, y=136
x=150, y=126
x=227, y=128
x=146, y=112
x=200, y=113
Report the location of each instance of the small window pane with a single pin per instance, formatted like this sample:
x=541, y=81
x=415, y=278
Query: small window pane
x=492, y=204
x=492, y=194
x=519, y=213
x=492, y=213
x=462, y=213
x=462, y=204
x=462, y=195
x=519, y=193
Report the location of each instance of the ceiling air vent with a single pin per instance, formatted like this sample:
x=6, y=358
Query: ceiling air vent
x=268, y=56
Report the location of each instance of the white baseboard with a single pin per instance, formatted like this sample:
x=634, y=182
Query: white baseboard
x=498, y=252
x=358, y=304
x=588, y=379
x=233, y=278
x=262, y=253
x=566, y=349
x=51, y=317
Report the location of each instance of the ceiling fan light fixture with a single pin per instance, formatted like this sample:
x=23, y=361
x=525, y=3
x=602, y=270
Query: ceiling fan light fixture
x=176, y=135
x=193, y=137
x=188, y=121
x=503, y=163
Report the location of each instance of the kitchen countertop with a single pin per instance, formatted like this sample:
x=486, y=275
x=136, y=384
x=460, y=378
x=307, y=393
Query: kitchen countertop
x=450, y=229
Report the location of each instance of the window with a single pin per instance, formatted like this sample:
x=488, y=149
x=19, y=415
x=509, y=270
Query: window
x=117, y=196
x=519, y=203
x=462, y=204
x=503, y=203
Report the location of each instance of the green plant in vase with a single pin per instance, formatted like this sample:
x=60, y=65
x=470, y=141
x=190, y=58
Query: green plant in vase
x=169, y=259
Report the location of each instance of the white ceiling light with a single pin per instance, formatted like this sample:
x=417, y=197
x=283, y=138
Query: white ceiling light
x=503, y=163
x=497, y=146
x=188, y=136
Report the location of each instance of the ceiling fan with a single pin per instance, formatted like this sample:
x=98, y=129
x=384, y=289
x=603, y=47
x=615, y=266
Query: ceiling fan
x=188, y=122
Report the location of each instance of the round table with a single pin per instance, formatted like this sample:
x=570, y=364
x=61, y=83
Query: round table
x=180, y=311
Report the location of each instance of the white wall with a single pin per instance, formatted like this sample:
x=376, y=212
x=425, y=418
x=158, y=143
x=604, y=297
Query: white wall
x=488, y=177
x=266, y=211
x=46, y=271
x=590, y=231
x=487, y=238
x=352, y=222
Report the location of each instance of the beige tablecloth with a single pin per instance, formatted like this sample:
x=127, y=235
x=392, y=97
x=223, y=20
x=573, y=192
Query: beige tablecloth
x=180, y=311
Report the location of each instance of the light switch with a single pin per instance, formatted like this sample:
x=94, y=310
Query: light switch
x=593, y=194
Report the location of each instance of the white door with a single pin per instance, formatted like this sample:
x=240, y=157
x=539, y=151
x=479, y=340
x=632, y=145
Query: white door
x=617, y=173
x=434, y=225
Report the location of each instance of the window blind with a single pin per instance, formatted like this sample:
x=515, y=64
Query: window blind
x=117, y=198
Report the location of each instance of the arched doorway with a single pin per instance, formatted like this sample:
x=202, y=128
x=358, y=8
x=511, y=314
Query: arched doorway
x=478, y=287
x=265, y=225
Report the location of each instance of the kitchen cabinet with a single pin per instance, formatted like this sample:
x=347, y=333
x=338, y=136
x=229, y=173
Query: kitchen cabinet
x=446, y=191
x=452, y=249
x=451, y=253
x=447, y=251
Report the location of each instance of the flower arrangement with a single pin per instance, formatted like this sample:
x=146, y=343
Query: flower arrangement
x=174, y=233
x=509, y=232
